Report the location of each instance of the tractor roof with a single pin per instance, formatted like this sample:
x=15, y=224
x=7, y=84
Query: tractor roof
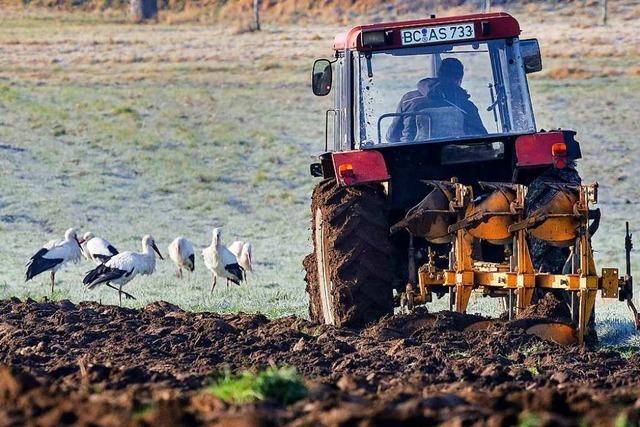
x=487, y=26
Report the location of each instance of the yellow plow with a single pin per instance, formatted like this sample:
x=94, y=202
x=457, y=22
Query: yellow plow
x=450, y=213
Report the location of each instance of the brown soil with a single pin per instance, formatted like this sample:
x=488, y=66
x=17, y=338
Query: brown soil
x=80, y=364
x=547, y=307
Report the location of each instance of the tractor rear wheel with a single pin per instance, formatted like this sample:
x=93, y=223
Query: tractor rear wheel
x=349, y=274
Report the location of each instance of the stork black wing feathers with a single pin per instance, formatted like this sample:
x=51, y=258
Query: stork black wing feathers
x=94, y=274
x=38, y=254
x=102, y=258
x=102, y=274
x=192, y=258
x=236, y=271
x=38, y=264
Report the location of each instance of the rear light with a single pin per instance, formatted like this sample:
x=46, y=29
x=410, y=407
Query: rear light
x=378, y=38
x=559, y=154
x=346, y=170
x=559, y=149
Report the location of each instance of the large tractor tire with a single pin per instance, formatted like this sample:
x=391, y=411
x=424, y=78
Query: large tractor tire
x=349, y=274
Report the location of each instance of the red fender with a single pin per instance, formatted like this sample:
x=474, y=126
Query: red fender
x=359, y=167
x=542, y=149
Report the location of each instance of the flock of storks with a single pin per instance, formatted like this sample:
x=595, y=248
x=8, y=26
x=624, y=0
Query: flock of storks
x=119, y=268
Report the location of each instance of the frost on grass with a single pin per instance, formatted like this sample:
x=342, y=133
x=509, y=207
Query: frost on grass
x=199, y=134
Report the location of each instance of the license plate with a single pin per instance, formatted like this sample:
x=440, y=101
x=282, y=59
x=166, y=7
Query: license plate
x=443, y=33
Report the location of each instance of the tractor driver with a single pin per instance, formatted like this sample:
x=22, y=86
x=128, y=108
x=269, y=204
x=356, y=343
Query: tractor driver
x=442, y=91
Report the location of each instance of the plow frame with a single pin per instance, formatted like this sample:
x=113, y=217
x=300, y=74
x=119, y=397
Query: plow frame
x=517, y=279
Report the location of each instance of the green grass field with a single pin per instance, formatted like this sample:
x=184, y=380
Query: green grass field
x=172, y=130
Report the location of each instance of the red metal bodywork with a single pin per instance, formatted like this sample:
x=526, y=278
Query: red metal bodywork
x=496, y=25
x=537, y=150
x=365, y=167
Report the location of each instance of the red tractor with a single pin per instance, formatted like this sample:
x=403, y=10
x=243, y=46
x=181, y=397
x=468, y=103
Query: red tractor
x=431, y=120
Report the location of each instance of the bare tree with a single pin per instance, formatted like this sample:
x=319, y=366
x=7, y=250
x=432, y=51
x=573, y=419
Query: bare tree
x=256, y=14
x=487, y=6
x=605, y=12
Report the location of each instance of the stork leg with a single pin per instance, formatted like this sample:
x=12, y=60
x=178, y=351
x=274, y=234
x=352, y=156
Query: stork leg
x=227, y=284
x=126, y=294
x=53, y=281
x=179, y=273
x=213, y=283
x=120, y=294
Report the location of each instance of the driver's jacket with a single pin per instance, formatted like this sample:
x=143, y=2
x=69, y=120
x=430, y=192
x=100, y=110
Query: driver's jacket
x=434, y=92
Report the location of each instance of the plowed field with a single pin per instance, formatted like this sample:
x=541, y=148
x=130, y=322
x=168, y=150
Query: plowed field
x=95, y=364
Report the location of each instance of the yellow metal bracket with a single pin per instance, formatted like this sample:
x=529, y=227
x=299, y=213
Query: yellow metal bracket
x=609, y=283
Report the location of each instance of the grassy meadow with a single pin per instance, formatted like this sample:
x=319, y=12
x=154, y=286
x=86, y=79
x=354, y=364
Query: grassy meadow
x=172, y=130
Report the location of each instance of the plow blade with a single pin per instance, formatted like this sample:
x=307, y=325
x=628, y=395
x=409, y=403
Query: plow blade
x=560, y=333
x=480, y=325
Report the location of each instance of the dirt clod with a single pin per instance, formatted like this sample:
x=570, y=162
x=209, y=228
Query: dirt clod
x=547, y=307
x=119, y=366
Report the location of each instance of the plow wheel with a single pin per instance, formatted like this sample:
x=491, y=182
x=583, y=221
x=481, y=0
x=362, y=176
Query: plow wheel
x=349, y=274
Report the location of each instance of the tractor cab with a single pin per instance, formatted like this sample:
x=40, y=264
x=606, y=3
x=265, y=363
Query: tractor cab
x=392, y=87
x=433, y=99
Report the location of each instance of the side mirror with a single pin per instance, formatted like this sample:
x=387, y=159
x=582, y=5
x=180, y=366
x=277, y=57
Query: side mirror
x=321, y=77
x=530, y=51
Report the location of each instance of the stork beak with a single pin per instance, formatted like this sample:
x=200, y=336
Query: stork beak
x=155, y=248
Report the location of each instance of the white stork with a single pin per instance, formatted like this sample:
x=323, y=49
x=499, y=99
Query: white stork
x=122, y=268
x=221, y=261
x=53, y=255
x=182, y=255
x=97, y=249
x=242, y=251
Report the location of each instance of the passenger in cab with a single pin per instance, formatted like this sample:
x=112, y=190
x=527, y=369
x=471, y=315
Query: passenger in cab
x=444, y=101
